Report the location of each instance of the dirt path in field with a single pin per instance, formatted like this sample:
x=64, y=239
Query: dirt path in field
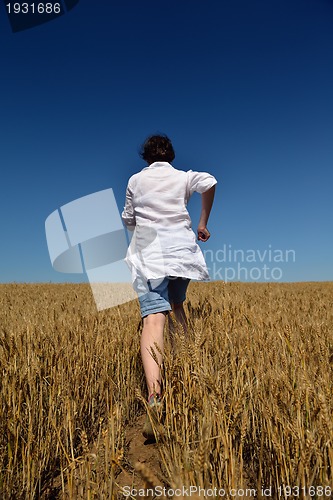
x=142, y=462
x=140, y=469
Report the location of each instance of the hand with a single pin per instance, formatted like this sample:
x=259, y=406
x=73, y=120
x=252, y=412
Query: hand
x=203, y=234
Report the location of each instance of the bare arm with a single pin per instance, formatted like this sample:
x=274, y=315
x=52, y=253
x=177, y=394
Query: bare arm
x=207, y=199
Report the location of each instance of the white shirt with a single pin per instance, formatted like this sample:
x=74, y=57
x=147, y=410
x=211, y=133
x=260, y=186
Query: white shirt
x=163, y=243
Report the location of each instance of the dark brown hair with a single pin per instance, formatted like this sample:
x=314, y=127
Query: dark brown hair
x=157, y=148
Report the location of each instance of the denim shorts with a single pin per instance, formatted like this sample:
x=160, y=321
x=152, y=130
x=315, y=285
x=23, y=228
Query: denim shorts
x=158, y=295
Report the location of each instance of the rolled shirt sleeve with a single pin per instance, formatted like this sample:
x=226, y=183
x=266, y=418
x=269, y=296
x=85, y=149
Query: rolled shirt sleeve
x=127, y=215
x=199, y=182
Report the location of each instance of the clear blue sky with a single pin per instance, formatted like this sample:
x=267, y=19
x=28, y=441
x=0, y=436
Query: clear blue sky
x=243, y=88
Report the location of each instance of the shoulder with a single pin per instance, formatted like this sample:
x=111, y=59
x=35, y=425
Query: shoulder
x=133, y=180
x=197, y=175
x=178, y=171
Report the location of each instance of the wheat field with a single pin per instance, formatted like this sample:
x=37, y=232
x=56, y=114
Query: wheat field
x=247, y=395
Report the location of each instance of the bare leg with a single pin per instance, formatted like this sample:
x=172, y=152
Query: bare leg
x=152, y=332
x=180, y=316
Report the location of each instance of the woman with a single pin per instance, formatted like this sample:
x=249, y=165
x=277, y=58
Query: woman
x=163, y=255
